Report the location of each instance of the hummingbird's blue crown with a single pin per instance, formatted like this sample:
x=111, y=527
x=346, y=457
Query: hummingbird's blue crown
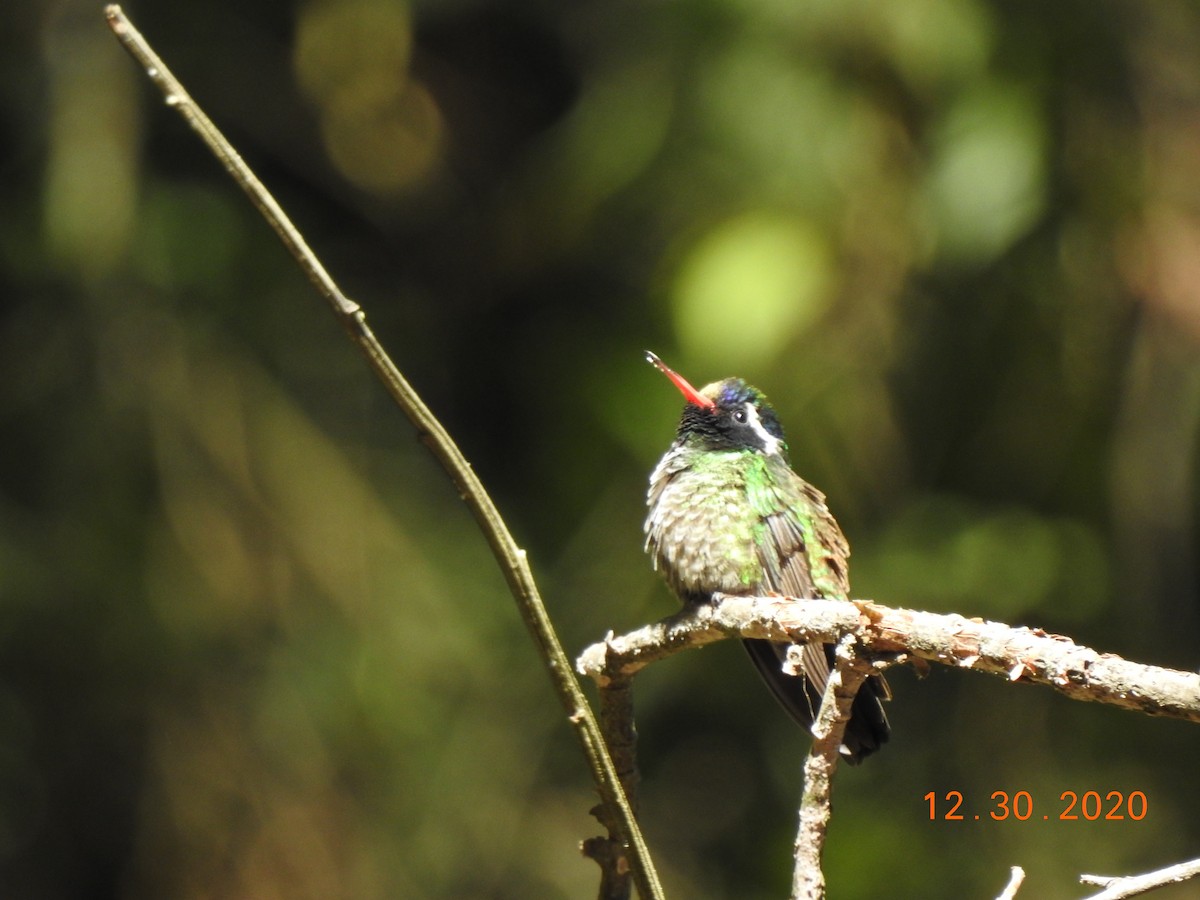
x=723, y=426
x=734, y=392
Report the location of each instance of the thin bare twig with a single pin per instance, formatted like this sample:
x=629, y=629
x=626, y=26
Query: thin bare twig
x=1016, y=879
x=1117, y=887
x=509, y=556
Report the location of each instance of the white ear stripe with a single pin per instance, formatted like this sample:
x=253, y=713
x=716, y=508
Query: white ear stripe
x=770, y=442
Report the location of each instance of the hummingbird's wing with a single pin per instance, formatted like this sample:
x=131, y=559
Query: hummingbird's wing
x=802, y=539
x=805, y=556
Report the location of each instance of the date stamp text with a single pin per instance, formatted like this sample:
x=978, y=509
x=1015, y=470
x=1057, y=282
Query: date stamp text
x=1090, y=806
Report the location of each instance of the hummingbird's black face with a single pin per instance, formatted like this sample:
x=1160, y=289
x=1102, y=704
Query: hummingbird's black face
x=739, y=418
x=725, y=415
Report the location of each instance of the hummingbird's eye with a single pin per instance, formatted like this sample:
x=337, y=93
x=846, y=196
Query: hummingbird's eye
x=739, y=416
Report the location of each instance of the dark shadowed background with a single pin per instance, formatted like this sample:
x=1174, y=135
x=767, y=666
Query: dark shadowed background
x=251, y=644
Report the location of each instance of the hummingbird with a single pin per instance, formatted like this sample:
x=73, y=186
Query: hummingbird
x=727, y=514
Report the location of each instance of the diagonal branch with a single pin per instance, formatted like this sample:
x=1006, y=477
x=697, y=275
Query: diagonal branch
x=1023, y=654
x=509, y=556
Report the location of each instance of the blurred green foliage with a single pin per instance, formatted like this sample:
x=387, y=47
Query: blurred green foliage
x=252, y=646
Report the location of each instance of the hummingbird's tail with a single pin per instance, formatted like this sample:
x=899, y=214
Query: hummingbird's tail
x=868, y=728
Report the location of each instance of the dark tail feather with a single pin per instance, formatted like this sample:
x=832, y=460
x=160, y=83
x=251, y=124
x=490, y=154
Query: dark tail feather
x=800, y=695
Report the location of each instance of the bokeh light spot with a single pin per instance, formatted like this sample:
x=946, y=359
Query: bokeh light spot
x=987, y=183
x=383, y=131
x=749, y=286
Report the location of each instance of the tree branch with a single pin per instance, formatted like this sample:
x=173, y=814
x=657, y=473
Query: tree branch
x=864, y=629
x=849, y=672
x=620, y=736
x=1019, y=654
x=509, y=556
x=1016, y=879
x=1118, y=887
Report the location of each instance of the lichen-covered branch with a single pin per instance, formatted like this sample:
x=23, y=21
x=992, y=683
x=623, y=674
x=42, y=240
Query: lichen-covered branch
x=620, y=734
x=1017, y=653
x=1119, y=887
x=1015, y=880
x=828, y=729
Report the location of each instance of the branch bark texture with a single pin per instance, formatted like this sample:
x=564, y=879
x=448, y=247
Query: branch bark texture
x=1120, y=887
x=816, y=805
x=1023, y=654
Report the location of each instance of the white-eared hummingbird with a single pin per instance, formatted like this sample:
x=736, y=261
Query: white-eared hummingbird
x=728, y=515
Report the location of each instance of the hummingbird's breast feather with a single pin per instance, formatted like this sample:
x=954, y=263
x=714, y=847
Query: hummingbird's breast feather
x=701, y=529
x=741, y=523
